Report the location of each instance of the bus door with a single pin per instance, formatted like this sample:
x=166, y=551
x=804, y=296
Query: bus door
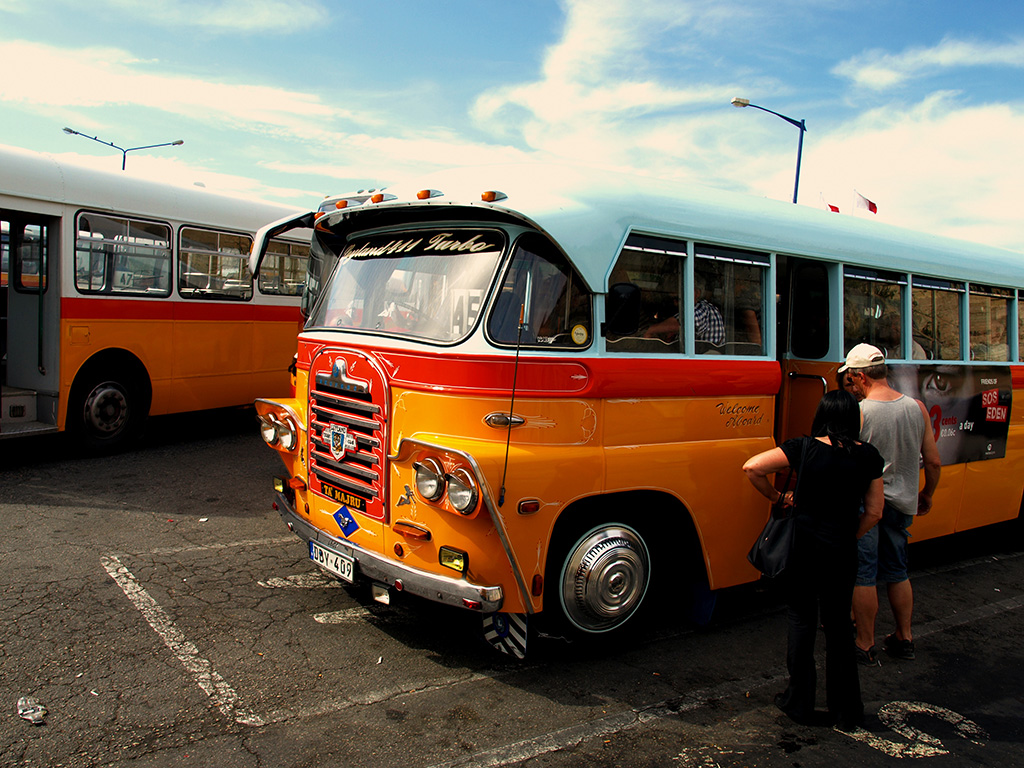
x=31, y=328
x=806, y=294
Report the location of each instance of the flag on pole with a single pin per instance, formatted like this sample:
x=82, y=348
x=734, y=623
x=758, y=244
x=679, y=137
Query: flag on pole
x=863, y=202
x=828, y=205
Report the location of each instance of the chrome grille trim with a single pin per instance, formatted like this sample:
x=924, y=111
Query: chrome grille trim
x=355, y=420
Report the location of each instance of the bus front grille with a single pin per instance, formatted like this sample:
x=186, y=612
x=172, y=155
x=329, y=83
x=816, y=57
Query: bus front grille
x=346, y=431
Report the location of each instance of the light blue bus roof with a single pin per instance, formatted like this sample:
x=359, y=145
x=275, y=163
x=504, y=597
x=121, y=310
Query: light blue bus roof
x=590, y=212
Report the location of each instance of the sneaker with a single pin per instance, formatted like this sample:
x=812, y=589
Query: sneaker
x=899, y=649
x=868, y=658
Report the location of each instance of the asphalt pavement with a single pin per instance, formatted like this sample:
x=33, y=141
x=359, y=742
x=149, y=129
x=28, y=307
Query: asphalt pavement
x=157, y=608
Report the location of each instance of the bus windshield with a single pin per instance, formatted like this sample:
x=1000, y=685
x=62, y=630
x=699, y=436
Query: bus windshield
x=426, y=284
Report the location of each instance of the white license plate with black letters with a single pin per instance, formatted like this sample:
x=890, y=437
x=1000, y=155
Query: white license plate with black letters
x=338, y=564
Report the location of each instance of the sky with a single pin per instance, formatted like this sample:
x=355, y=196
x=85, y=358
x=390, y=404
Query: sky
x=918, y=105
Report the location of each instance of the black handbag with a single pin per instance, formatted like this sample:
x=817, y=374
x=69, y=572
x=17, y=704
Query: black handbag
x=771, y=552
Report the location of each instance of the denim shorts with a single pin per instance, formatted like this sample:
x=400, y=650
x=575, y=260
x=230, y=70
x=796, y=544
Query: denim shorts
x=882, y=551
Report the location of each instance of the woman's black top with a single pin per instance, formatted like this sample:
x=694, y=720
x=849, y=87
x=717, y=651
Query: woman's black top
x=832, y=484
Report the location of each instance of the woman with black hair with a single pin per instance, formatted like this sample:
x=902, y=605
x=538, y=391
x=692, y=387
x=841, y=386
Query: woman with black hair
x=837, y=474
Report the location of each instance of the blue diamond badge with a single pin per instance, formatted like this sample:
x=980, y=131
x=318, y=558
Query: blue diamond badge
x=345, y=521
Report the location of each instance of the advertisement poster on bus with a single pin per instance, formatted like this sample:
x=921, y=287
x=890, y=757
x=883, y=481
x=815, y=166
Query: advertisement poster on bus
x=969, y=407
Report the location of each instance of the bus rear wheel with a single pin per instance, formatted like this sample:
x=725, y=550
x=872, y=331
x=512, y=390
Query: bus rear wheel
x=603, y=578
x=105, y=413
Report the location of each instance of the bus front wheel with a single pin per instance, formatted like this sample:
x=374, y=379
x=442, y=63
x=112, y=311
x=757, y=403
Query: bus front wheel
x=603, y=578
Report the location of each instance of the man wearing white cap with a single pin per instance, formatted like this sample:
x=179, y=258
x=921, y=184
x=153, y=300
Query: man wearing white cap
x=898, y=426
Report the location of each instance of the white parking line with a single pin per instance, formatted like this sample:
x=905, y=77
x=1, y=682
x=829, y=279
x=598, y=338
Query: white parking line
x=311, y=580
x=206, y=677
x=227, y=700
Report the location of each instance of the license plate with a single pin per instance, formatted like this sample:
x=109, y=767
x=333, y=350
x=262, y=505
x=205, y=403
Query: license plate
x=340, y=565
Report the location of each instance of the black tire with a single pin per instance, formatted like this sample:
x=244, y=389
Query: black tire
x=106, y=412
x=598, y=579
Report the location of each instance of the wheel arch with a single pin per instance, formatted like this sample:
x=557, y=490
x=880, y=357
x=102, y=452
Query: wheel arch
x=111, y=360
x=116, y=365
x=677, y=567
x=659, y=516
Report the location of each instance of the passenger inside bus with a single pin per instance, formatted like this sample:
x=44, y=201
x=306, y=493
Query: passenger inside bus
x=708, y=324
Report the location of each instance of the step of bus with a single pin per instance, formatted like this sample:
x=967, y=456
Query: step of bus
x=19, y=406
x=25, y=429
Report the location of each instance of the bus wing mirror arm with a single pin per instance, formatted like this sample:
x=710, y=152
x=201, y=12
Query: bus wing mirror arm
x=272, y=230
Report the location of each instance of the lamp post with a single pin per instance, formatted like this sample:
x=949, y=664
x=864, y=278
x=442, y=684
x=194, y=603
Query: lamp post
x=738, y=102
x=124, y=152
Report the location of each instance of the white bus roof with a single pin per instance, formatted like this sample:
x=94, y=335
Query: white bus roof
x=589, y=213
x=44, y=179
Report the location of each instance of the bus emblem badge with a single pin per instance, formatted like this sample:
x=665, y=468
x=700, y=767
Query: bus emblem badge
x=339, y=441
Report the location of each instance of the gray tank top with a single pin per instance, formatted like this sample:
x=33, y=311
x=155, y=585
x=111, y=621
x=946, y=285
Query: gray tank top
x=896, y=428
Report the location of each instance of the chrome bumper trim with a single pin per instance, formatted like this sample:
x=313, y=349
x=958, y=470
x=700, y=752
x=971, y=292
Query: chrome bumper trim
x=372, y=566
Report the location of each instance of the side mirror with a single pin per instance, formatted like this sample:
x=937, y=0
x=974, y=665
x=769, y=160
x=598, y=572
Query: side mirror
x=622, y=310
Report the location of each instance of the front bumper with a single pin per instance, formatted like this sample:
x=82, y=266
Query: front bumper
x=375, y=567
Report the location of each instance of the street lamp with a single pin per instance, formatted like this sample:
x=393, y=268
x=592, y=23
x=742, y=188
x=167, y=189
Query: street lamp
x=738, y=102
x=124, y=152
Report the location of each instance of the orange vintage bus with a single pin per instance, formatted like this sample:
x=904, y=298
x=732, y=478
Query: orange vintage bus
x=529, y=391
x=123, y=298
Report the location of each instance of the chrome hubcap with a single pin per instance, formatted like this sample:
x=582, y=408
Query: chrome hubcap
x=604, y=578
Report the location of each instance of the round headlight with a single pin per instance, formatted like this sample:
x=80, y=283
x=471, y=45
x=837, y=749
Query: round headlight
x=429, y=479
x=287, y=434
x=462, y=491
x=268, y=429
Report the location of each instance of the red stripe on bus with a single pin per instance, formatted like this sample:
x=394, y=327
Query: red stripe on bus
x=166, y=309
x=593, y=377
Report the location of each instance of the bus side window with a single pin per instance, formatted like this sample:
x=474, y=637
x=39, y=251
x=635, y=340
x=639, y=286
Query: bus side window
x=873, y=307
x=284, y=268
x=212, y=265
x=990, y=318
x=936, y=323
x=729, y=304
x=116, y=254
x=652, y=266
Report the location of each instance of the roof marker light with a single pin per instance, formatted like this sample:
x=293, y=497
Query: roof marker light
x=341, y=204
x=492, y=196
x=426, y=194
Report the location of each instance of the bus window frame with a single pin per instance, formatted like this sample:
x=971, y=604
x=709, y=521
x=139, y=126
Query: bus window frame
x=214, y=294
x=990, y=292
x=955, y=287
x=302, y=261
x=882, y=277
x=686, y=251
x=16, y=260
x=495, y=291
x=107, y=288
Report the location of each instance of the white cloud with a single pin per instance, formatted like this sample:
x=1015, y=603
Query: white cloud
x=600, y=80
x=935, y=167
x=878, y=70
x=73, y=80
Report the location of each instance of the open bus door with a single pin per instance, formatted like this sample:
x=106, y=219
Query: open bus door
x=31, y=325
x=807, y=293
